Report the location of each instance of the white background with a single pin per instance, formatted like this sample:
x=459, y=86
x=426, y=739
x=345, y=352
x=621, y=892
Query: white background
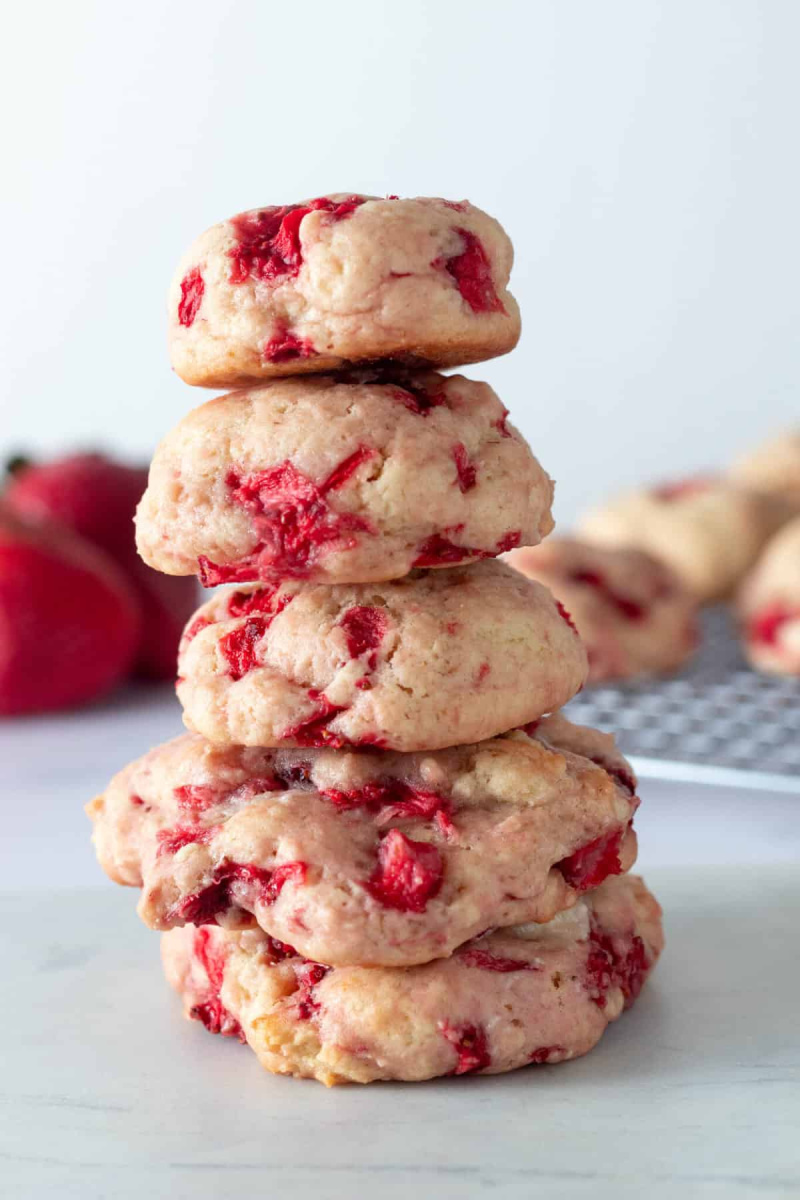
x=643, y=156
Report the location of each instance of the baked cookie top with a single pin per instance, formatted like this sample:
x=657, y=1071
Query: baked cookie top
x=438, y=658
x=341, y=481
x=337, y=280
x=633, y=613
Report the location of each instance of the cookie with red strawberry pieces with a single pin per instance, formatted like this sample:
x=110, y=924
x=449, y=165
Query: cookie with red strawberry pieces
x=768, y=605
x=69, y=621
x=370, y=857
x=773, y=467
x=96, y=497
x=437, y=658
x=526, y=994
x=342, y=481
x=708, y=530
x=341, y=279
x=633, y=613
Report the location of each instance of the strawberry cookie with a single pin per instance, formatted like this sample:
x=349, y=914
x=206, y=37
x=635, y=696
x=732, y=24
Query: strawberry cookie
x=369, y=857
x=438, y=658
x=633, y=613
x=341, y=481
x=532, y=993
x=341, y=279
x=769, y=605
x=773, y=467
x=709, y=531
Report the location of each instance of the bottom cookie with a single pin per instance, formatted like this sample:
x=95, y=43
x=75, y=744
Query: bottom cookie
x=525, y=994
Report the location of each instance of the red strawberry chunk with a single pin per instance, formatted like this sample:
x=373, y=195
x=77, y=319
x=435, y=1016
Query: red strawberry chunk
x=591, y=864
x=292, y=519
x=470, y=1044
x=466, y=472
x=212, y=1011
x=408, y=873
x=192, y=289
x=474, y=957
x=365, y=628
x=472, y=273
x=268, y=245
x=238, y=647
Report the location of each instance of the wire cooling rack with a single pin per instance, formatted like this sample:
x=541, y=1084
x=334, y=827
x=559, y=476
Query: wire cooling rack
x=717, y=720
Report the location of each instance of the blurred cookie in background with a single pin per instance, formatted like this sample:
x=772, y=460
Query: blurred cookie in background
x=769, y=606
x=632, y=612
x=708, y=530
x=772, y=467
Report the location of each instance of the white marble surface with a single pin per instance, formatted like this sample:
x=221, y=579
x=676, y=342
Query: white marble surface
x=107, y=1093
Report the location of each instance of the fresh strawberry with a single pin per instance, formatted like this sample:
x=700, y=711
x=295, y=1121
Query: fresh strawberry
x=69, y=619
x=97, y=498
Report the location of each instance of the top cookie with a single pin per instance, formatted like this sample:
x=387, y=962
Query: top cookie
x=341, y=479
x=338, y=280
x=708, y=530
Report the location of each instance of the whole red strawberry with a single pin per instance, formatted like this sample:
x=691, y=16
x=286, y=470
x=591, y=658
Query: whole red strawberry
x=97, y=498
x=69, y=619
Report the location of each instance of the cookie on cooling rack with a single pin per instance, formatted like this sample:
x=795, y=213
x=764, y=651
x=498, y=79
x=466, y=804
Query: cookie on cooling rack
x=769, y=605
x=633, y=613
x=773, y=467
x=708, y=530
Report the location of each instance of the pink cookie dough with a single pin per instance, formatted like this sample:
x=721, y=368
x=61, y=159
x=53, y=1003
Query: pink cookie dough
x=438, y=658
x=369, y=857
x=340, y=480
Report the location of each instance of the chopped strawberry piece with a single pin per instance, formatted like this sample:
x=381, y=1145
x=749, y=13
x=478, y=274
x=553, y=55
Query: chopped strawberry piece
x=308, y=975
x=313, y=731
x=170, y=841
x=408, y=873
x=562, y=612
x=470, y=1044
x=192, y=289
x=238, y=647
x=466, y=472
x=543, y=1054
x=765, y=627
x=268, y=245
x=591, y=864
x=212, y=1011
x=475, y=957
x=631, y=609
x=195, y=798
x=391, y=799
x=615, y=962
x=292, y=519
x=472, y=273
x=365, y=628
x=284, y=346
x=257, y=885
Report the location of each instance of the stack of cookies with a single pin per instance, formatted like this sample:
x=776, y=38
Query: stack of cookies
x=376, y=856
